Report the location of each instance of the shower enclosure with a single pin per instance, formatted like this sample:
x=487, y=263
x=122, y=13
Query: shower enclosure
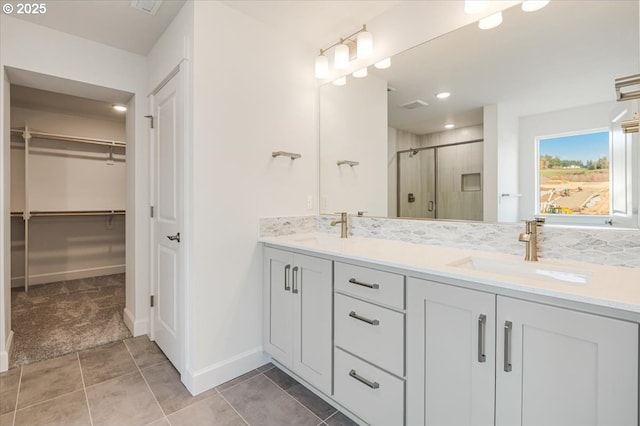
x=441, y=182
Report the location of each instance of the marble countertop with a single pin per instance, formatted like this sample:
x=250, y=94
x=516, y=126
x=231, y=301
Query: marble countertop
x=608, y=286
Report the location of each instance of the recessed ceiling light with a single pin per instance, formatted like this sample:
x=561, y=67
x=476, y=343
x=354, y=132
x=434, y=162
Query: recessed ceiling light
x=443, y=95
x=449, y=126
x=120, y=108
x=383, y=64
x=490, y=21
x=533, y=5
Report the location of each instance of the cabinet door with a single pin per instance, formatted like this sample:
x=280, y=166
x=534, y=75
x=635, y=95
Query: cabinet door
x=277, y=333
x=450, y=355
x=312, y=312
x=560, y=367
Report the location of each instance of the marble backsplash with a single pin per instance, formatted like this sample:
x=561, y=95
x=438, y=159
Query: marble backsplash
x=601, y=246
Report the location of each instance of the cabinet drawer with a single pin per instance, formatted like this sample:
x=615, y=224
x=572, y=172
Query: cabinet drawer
x=370, y=393
x=378, y=286
x=381, y=343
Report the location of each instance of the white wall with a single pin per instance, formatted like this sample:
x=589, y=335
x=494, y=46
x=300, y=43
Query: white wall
x=253, y=93
x=5, y=222
x=30, y=47
x=67, y=176
x=353, y=127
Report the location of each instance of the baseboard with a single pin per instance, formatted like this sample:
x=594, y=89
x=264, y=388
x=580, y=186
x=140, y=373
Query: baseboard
x=5, y=354
x=68, y=275
x=209, y=377
x=137, y=327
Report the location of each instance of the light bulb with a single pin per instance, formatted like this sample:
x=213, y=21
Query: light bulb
x=449, y=126
x=533, y=5
x=475, y=6
x=322, y=66
x=365, y=44
x=341, y=58
x=443, y=95
x=340, y=81
x=490, y=21
x=383, y=64
x=362, y=72
x=120, y=108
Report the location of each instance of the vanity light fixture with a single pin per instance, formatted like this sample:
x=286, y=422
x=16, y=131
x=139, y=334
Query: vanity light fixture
x=383, y=64
x=490, y=21
x=443, y=95
x=361, y=39
x=322, y=66
x=449, y=126
x=533, y=5
x=341, y=57
x=340, y=81
x=119, y=108
x=362, y=72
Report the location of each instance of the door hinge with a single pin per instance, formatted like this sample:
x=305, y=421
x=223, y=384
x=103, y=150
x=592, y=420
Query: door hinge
x=150, y=117
x=151, y=210
x=152, y=301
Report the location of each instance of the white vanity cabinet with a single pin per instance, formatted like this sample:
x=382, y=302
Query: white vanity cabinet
x=297, y=309
x=450, y=355
x=560, y=367
x=547, y=365
x=369, y=323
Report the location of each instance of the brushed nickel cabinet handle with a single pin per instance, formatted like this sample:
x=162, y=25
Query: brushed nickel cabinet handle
x=353, y=314
x=508, y=325
x=482, y=325
x=294, y=288
x=373, y=286
x=287, y=287
x=372, y=385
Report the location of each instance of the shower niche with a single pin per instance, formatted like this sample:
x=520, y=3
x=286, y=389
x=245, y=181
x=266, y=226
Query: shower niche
x=441, y=182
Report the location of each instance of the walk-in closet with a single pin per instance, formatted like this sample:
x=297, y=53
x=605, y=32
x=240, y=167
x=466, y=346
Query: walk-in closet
x=68, y=211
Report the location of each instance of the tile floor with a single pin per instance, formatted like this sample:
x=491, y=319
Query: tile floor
x=131, y=382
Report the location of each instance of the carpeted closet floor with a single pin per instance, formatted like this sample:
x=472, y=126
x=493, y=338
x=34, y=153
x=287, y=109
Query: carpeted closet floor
x=54, y=319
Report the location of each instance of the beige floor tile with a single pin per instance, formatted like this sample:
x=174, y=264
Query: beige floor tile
x=160, y=422
x=49, y=379
x=165, y=384
x=211, y=411
x=9, y=381
x=260, y=402
x=237, y=380
x=106, y=362
x=6, y=419
x=145, y=352
x=70, y=409
x=125, y=400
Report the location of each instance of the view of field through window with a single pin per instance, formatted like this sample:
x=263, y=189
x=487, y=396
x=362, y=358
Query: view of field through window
x=574, y=174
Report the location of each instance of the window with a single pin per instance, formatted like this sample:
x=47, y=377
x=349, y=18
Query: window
x=574, y=174
x=586, y=178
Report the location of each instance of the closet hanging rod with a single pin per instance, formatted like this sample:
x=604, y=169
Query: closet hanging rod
x=66, y=138
x=78, y=213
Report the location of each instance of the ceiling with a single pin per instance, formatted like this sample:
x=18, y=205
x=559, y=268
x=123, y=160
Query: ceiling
x=562, y=56
x=111, y=22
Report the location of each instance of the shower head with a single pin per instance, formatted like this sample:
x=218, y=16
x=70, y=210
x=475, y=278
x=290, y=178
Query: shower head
x=413, y=152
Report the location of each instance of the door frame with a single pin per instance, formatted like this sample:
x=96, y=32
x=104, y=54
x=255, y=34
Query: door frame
x=180, y=71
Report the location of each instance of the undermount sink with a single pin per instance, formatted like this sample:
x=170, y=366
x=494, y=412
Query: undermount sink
x=534, y=270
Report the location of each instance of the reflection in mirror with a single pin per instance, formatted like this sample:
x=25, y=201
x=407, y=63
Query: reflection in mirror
x=538, y=75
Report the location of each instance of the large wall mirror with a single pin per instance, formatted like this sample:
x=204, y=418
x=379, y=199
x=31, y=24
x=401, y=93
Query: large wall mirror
x=385, y=150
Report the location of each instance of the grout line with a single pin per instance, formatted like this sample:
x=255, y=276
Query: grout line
x=232, y=407
x=147, y=383
x=291, y=396
x=236, y=384
x=84, y=389
x=337, y=411
x=15, y=408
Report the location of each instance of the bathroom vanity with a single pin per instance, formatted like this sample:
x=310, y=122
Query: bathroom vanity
x=405, y=334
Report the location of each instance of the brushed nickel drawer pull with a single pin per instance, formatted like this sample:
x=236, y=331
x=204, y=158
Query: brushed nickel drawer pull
x=482, y=325
x=353, y=314
x=287, y=287
x=372, y=385
x=294, y=272
x=373, y=286
x=508, y=326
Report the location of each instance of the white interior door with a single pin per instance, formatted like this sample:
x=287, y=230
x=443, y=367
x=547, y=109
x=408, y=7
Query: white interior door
x=168, y=287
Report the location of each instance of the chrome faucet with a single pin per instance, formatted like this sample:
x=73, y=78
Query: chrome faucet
x=344, y=224
x=530, y=237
